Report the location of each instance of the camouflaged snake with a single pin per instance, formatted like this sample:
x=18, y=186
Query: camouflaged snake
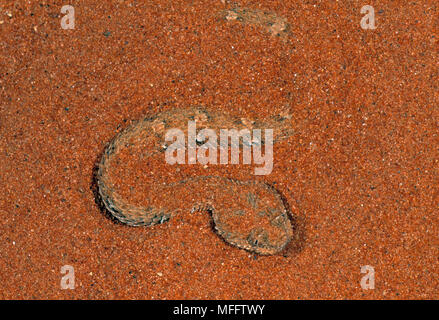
x=255, y=220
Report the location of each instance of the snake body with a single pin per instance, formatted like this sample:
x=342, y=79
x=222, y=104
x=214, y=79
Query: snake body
x=248, y=214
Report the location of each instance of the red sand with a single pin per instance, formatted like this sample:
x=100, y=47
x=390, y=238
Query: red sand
x=361, y=175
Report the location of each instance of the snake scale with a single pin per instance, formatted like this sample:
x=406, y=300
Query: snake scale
x=250, y=215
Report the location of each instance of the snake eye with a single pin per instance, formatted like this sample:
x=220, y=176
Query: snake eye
x=199, y=142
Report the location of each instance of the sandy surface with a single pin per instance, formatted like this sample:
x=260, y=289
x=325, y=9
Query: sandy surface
x=361, y=174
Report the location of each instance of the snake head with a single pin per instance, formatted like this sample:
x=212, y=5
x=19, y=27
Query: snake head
x=256, y=220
